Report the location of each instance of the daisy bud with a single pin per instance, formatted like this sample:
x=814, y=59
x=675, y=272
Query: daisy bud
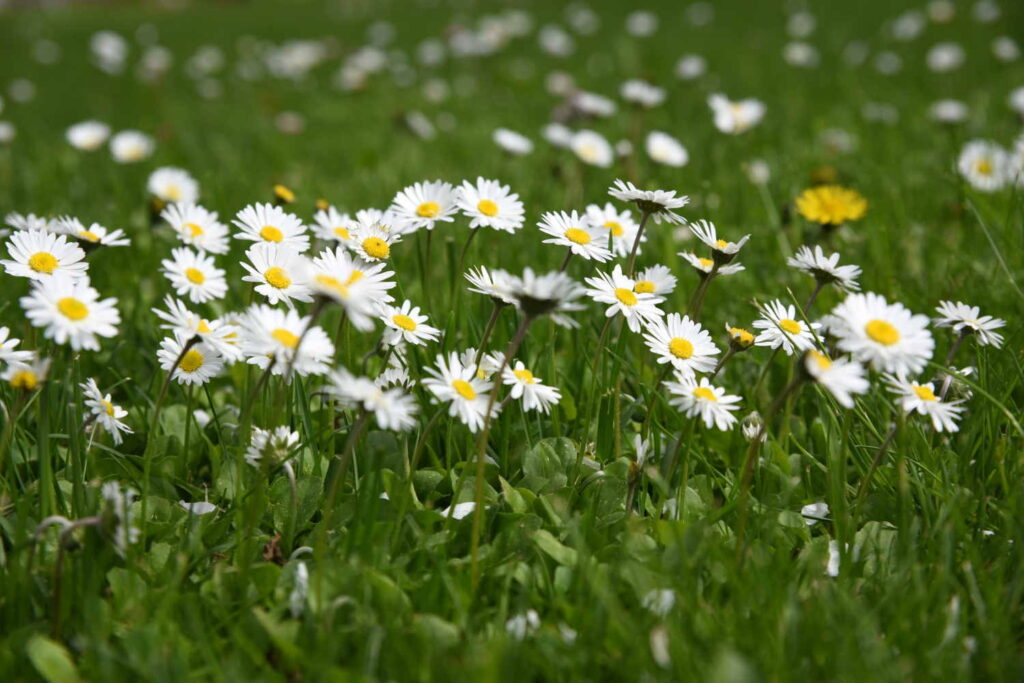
x=739, y=338
x=283, y=195
x=752, y=426
x=322, y=204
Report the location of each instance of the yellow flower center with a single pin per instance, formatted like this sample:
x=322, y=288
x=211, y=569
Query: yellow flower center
x=644, y=287
x=204, y=327
x=108, y=407
x=342, y=233
x=705, y=393
x=524, y=376
x=741, y=336
x=88, y=235
x=983, y=166
x=72, y=309
x=191, y=361
x=277, y=277
x=285, y=338
x=464, y=389
x=172, y=193
x=791, y=326
x=355, y=277
x=680, y=348
x=882, y=332
x=25, y=380
x=283, y=193
x=404, y=321
x=487, y=207
x=706, y=263
x=431, y=209
x=721, y=244
x=332, y=284
x=626, y=296
x=924, y=393
x=616, y=228
x=43, y=262
x=195, y=276
x=820, y=359
x=271, y=234
x=376, y=247
x=577, y=235
x=193, y=229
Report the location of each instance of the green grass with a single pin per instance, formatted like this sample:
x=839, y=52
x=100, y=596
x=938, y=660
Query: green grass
x=926, y=595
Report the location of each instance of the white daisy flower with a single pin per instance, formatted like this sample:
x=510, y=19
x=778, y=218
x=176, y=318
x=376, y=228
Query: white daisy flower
x=8, y=346
x=553, y=293
x=531, y=389
x=170, y=185
x=642, y=93
x=683, y=343
x=198, y=365
x=592, y=148
x=488, y=203
x=780, y=328
x=360, y=287
x=197, y=227
x=405, y=324
x=28, y=374
x=87, y=136
x=44, y=256
x=512, y=142
x=661, y=204
x=706, y=265
x=575, y=232
x=495, y=283
x=331, y=226
x=273, y=225
x=966, y=319
x=985, y=165
x=458, y=385
x=280, y=273
x=814, y=512
x=272, y=446
x=701, y=398
x=198, y=508
x=723, y=250
x=71, y=311
x=841, y=377
x=921, y=399
x=664, y=149
x=617, y=290
x=825, y=269
x=423, y=205
x=888, y=337
x=103, y=412
x=736, y=117
x=220, y=334
x=273, y=335
x=131, y=146
x=194, y=274
x=593, y=105
x=94, y=234
x=619, y=223
x=372, y=240
x=655, y=279
x=558, y=135
x=20, y=221
x=393, y=409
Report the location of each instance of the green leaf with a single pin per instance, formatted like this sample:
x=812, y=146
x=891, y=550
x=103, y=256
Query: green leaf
x=562, y=554
x=547, y=465
x=51, y=660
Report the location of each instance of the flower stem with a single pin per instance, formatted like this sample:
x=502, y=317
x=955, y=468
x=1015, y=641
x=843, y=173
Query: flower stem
x=495, y=312
x=636, y=244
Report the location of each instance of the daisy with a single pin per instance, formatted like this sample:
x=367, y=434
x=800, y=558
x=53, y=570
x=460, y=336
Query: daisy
x=393, y=409
x=7, y=346
x=704, y=266
x=131, y=146
x=43, y=256
x=360, y=287
x=331, y=225
x=87, y=136
x=702, y=399
x=557, y=135
x=642, y=93
x=553, y=293
x=921, y=399
x=665, y=149
x=170, y=185
x=621, y=226
x=405, y=324
x=103, y=412
x=655, y=280
x=488, y=203
x=271, y=224
x=372, y=240
x=271, y=446
x=966, y=319
x=888, y=337
x=825, y=269
x=592, y=148
x=722, y=250
x=423, y=205
x=681, y=342
x=95, y=234
x=831, y=205
x=195, y=274
x=575, y=232
x=736, y=117
x=842, y=378
x=271, y=335
x=495, y=283
x=20, y=221
x=780, y=328
x=219, y=334
x=617, y=290
x=197, y=227
x=525, y=385
x=198, y=365
x=28, y=374
x=512, y=142
x=660, y=204
x=72, y=312
x=280, y=273
x=458, y=385
x=119, y=510
x=739, y=338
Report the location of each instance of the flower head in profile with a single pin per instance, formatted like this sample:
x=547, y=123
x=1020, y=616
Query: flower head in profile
x=71, y=312
x=619, y=292
x=735, y=117
x=642, y=93
x=831, y=205
x=966, y=319
x=87, y=136
x=553, y=293
x=119, y=521
x=94, y=235
x=705, y=266
x=197, y=227
x=921, y=399
x=841, y=377
x=421, y=206
x=457, y=385
x=495, y=283
x=271, y=447
x=489, y=204
x=531, y=389
x=105, y=414
x=512, y=142
x=393, y=408
x=656, y=279
x=131, y=146
x=333, y=226
x=739, y=338
x=266, y=223
x=780, y=328
x=592, y=148
x=825, y=269
x=660, y=204
x=888, y=337
x=21, y=221
x=8, y=346
x=170, y=185
x=27, y=374
x=576, y=233
x=664, y=149
x=42, y=255
x=681, y=342
x=723, y=251
x=702, y=399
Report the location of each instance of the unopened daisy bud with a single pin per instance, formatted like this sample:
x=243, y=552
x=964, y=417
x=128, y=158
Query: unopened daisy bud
x=283, y=195
x=958, y=388
x=752, y=427
x=322, y=204
x=739, y=338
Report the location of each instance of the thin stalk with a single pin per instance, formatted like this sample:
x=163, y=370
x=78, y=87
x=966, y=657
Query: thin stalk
x=697, y=302
x=862, y=491
x=630, y=264
x=721, y=362
x=565, y=261
x=947, y=381
x=814, y=295
x=495, y=312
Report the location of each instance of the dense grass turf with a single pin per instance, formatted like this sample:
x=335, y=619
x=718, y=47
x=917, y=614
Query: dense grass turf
x=931, y=576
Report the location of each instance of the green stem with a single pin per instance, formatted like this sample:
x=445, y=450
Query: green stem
x=631, y=263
